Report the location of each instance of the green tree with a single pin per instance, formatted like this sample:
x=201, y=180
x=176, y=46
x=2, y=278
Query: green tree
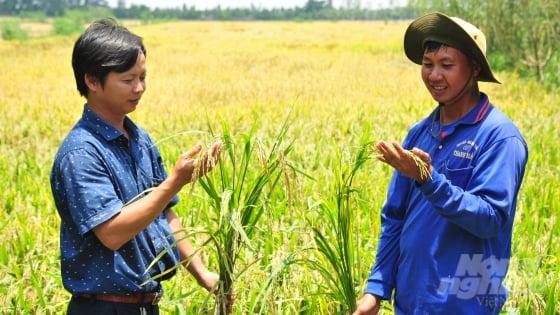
x=523, y=32
x=315, y=5
x=54, y=7
x=11, y=30
x=527, y=29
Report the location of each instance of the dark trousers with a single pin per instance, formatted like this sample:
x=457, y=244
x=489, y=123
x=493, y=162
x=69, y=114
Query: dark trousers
x=85, y=306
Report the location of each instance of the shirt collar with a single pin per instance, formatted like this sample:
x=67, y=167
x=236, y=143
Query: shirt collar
x=479, y=112
x=475, y=115
x=103, y=128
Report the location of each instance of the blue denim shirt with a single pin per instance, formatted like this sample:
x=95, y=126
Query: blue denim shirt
x=95, y=173
x=445, y=245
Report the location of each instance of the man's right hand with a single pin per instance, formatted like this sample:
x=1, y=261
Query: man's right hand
x=369, y=304
x=188, y=169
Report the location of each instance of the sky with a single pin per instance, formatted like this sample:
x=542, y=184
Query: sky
x=264, y=4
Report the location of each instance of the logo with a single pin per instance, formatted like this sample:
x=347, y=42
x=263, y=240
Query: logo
x=465, y=149
x=478, y=277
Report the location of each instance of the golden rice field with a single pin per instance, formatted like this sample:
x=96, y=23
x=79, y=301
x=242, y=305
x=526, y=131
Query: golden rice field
x=344, y=82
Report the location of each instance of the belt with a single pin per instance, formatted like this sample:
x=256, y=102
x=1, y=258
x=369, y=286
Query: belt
x=135, y=298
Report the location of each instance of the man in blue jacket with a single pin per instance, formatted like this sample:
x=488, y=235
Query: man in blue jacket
x=445, y=240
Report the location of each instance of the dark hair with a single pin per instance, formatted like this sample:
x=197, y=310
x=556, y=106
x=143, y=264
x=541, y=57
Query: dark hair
x=105, y=46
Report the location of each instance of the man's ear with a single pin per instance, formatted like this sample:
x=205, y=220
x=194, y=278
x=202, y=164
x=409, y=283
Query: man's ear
x=476, y=69
x=91, y=82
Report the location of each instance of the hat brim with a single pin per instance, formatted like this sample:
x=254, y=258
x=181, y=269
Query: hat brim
x=441, y=28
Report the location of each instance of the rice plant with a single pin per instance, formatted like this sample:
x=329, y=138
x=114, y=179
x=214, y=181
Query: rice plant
x=240, y=190
x=334, y=233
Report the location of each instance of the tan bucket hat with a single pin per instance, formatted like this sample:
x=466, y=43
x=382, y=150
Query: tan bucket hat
x=451, y=31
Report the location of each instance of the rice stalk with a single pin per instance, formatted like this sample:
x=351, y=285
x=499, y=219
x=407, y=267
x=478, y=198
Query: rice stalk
x=258, y=302
x=240, y=191
x=335, y=237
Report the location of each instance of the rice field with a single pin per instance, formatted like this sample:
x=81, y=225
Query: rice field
x=323, y=89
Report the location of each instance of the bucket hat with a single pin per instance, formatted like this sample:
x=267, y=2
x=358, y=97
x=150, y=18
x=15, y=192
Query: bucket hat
x=451, y=31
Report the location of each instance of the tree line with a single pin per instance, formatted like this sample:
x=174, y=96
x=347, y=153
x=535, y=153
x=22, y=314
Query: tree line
x=312, y=10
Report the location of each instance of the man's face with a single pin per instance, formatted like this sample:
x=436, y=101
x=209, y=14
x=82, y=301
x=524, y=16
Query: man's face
x=446, y=73
x=121, y=92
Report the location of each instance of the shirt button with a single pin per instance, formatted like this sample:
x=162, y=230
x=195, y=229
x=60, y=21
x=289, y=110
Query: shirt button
x=440, y=147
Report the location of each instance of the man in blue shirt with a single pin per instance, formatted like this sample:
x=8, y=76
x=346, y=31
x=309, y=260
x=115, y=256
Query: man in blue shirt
x=445, y=240
x=111, y=189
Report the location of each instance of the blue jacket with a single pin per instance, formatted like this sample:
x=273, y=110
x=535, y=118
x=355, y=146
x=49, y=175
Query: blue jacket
x=445, y=245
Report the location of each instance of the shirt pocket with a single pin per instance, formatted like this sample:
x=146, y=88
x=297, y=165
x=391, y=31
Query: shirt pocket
x=458, y=176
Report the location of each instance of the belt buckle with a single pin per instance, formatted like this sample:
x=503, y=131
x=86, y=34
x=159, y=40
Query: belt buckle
x=157, y=297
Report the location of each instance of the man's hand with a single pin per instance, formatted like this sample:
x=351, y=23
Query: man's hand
x=369, y=304
x=209, y=281
x=415, y=164
x=189, y=169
